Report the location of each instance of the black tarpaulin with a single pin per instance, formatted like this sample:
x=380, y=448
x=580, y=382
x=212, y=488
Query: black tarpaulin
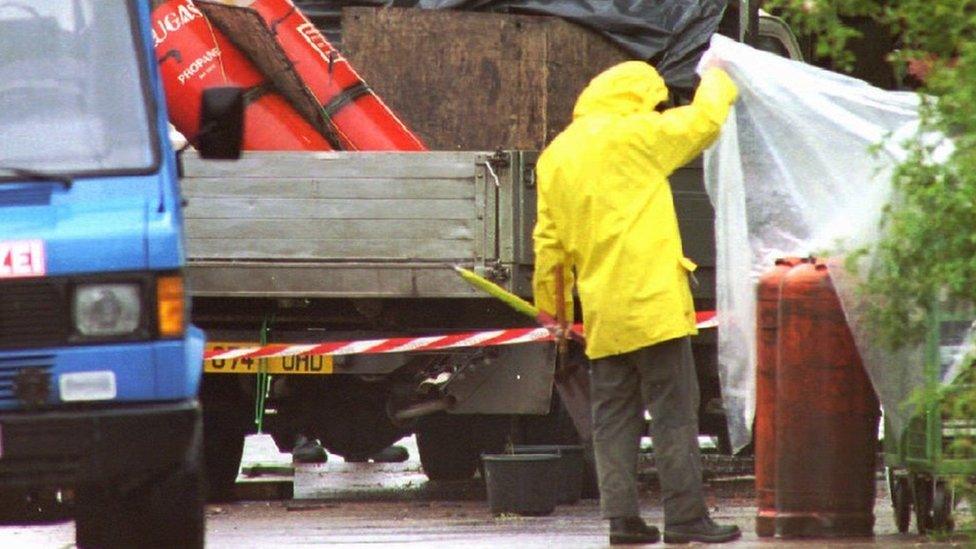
x=671, y=34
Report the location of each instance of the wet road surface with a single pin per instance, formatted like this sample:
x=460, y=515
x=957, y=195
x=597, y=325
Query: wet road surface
x=392, y=505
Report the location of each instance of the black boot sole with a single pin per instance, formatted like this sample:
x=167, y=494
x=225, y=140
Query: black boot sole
x=634, y=539
x=688, y=538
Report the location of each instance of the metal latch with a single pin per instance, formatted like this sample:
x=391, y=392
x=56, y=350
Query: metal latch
x=528, y=176
x=496, y=272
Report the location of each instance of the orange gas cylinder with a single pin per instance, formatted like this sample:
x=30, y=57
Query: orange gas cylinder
x=194, y=56
x=354, y=117
x=826, y=415
x=767, y=327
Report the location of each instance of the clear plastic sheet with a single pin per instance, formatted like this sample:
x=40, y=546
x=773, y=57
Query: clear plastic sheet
x=802, y=167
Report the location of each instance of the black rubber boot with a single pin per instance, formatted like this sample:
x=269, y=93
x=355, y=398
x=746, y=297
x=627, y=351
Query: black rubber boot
x=703, y=530
x=309, y=451
x=391, y=454
x=632, y=530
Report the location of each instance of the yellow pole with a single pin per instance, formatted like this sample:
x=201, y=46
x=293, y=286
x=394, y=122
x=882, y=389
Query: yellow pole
x=512, y=300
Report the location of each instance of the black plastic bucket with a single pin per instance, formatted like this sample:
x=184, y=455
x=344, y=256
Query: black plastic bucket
x=523, y=484
x=569, y=470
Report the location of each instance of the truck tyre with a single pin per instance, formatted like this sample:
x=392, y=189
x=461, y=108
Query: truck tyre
x=348, y=415
x=450, y=446
x=228, y=416
x=167, y=510
x=222, y=455
x=447, y=448
x=557, y=427
x=13, y=505
x=24, y=506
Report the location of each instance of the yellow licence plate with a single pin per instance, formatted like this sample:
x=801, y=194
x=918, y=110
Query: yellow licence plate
x=281, y=365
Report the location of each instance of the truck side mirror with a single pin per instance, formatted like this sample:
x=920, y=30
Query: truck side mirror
x=221, y=123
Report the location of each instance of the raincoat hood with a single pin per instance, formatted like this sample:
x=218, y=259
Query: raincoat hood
x=627, y=88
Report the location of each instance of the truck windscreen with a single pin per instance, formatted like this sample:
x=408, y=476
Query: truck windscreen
x=73, y=98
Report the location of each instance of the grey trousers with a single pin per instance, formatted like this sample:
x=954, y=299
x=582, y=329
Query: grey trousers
x=661, y=378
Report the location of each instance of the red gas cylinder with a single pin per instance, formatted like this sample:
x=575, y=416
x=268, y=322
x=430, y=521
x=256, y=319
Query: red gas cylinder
x=767, y=329
x=354, y=118
x=827, y=413
x=194, y=56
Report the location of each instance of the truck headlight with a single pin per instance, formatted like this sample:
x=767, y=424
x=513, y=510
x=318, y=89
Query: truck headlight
x=107, y=309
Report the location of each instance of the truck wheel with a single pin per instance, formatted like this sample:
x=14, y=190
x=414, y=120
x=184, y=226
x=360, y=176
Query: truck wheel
x=448, y=449
x=942, y=504
x=450, y=446
x=222, y=457
x=901, y=502
x=922, y=501
x=557, y=427
x=227, y=418
x=347, y=414
x=166, y=510
x=15, y=505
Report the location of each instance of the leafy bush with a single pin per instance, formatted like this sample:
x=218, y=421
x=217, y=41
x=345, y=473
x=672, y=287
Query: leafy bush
x=927, y=253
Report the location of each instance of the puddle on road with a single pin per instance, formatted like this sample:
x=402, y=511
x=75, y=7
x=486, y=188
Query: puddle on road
x=377, y=481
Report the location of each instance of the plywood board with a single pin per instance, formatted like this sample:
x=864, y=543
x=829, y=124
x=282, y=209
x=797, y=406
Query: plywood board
x=474, y=80
x=576, y=55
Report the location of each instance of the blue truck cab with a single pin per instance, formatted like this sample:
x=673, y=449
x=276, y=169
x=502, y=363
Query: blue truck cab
x=99, y=366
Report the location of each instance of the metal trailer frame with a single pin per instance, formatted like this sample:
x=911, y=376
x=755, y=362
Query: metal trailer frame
x=358, y=225
x=387, y=226
x=919, y=462
x=351, y=245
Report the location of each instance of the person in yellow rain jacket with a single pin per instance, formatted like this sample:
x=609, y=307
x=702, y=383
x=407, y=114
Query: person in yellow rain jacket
x=606, y=220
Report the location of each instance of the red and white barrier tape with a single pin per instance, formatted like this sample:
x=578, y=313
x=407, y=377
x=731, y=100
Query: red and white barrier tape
x=510, y=336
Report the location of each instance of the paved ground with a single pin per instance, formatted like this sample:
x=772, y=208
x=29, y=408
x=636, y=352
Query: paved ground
x=408, y=518
x=392, y=505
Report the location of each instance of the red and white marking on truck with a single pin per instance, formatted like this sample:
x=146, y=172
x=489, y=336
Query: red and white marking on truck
x=315, y=358
x=22, y=258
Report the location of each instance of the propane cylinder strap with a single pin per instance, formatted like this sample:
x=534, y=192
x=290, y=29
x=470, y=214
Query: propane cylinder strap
x=170, y=54
x=273, y=27
x=344, y=98
x=337, y=103
x=254, y=93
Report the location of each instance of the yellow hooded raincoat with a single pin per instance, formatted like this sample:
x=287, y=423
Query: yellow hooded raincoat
x=605, y=209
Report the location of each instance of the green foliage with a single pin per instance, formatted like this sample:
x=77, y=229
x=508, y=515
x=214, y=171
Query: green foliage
x=928, y=248
x=824, y=19
x=959, y=404
x=927, y=252
x=925, y=27
x=928, y=245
